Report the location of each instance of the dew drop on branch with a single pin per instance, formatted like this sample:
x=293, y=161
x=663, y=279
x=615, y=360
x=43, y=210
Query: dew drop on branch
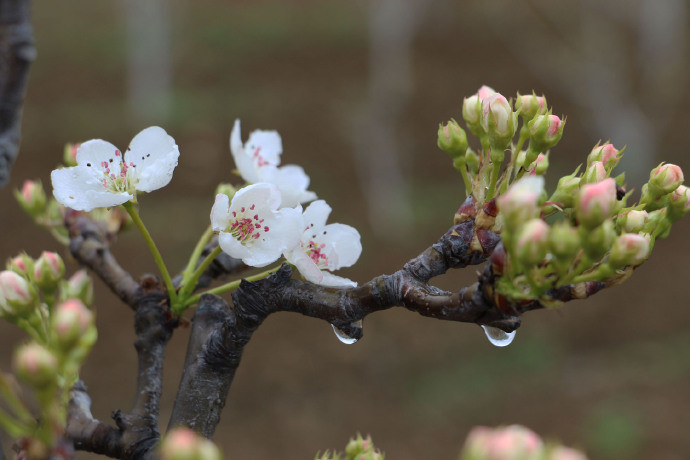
x=343, y=337
x=498, y=337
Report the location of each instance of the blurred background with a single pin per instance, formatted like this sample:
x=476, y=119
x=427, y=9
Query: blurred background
x=357, y=89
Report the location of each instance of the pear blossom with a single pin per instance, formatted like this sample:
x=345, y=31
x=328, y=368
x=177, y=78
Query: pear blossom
x=257, y=160
x=105, y=177
x=324, y=248
x=251, y=226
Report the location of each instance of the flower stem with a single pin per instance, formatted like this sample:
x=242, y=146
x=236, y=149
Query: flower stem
x=134, y=214
x=229, y=286
x=190, y=284
x=196, y=254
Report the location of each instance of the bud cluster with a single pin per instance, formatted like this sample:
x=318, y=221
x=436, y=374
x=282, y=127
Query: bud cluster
x=358, y=448
x=513, y=442
x=54, y=313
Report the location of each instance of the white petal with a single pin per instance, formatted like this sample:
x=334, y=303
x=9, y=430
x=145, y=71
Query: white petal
x=316, y=215
x=305, y=265
x=290, y=223
x=332, y=280
x=292, y=182
x=266, y=144
x=263, y=195
x=91, y=154
x=220, y=213
x=346, y=242
x=232, y=247
x=236, y=139
x=78, y=188
x=155, y=155
x=243, y=160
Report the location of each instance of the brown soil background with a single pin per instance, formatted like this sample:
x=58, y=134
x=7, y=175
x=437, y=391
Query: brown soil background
x=610, y=375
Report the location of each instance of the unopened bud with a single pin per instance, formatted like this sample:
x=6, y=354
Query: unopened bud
x=472, y=114
x=48, y=270
x=565, y=453
x=71, y=320
x=629, y=249
x=22, y=264
x=358, y=446
x=513, y=442
x=530, y=105
x=19, y=296
x=540, y=165
x=596, y=203
x=664, y=179
x=532, y=242
x=632, y=221
x=484, y=92
x=226, y=189
x=79, y=286
x=35, y=365
x=499, y=121
x=566, y=191
x=596, y=172
x=69, y=156
x=597, y=241
x=564, y=241
x=184, y=444
x=472, y=161
x=606, y=154
x=452, y=139
x=32, y=197
x=679, y=204
x=545, y=131
x=520, y=202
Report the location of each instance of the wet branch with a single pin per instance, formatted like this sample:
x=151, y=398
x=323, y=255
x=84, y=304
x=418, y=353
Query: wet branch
x=16, y=54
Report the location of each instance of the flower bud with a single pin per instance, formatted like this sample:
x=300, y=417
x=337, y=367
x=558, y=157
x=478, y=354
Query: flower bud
x=564, y=241
x=21, y=264
x=629, y=249
x=71, y=320
x=226, y=189
x=596, y=172
x=632, y=221
x=664, y=179
x=606, y=154
x=48, y=270
x=544, y=132
x=540, y=165
x=184, y=444
x=597, y=241
x=596, y=202
x=566, y=191
x=484, y=92
x=358, y=446
x=472, y=161
x=35, y=365
x=32, y=197
x=471, y=113
x=520, y=202
x=499, y=121
x=79, y=286
x=19, y=295
x=679, y=203
x=529, y=106
x=513, y=442
x=69, y=156
x=532, y=242
x=452, y=139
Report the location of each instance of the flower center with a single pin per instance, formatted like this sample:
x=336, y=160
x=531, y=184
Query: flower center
x=124, y=181
x=247, y=228
x=259, y=161
x=314, y=251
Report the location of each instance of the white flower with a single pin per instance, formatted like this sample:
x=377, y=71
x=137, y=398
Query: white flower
x=257, y=160
x=252, y=228
x=103, y=178
x=325, y=247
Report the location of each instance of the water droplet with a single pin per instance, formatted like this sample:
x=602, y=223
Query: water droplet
x=343, y=337
x=498, y=337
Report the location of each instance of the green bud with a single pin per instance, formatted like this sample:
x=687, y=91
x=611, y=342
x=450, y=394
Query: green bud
x=48, y=270
x=632, y=221
x=607, y=154
x=594, y=173
x=358, y=446
x=598, y=241
x=564, y=241
x=664, y=179
x=69, y=156
x=21, y=264
x=544, y=132
x=566, y=191
x=70, y=321
x=530, y=105
x=532, y=242
x=36, y=365
x=32, y=197
x=472, y=161
x=629, y=249
x=452, y=139
x=226, y=189
x=679, y=203
x=79, y=286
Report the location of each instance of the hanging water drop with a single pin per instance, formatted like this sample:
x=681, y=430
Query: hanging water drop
x=343, y=337
x=499, y=337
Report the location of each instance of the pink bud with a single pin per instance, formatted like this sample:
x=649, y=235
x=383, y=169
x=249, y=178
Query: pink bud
x=665, y=179
x=633, y=221
x=71, y=321
x=18, y=294
x=540, y=165
x=505, y=443
x=35, y=365
x=606, y=153
x=596, y=172
x=545, y=131
x=497, y=114
x=184, y=444
x=596, y=202
x=520, y=203
x=532, y=242
x=48, y=270
x=530, y=105
x=484, y=92
x=32, y=197
x=629, y=249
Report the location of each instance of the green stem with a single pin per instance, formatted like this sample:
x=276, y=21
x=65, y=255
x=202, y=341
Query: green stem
x=524, y=135
x=131, y=210
x=228, y=286
x=495, y=171
x=466, y=180
x=198, y=249
x=190, y=284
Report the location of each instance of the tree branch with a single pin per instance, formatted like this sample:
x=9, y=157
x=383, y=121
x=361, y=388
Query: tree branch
x=16, y=54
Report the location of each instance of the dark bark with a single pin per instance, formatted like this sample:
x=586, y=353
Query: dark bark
x=16, y=54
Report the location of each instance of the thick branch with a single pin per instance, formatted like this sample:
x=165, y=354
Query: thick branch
x=16, y=54
x=90, y=245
